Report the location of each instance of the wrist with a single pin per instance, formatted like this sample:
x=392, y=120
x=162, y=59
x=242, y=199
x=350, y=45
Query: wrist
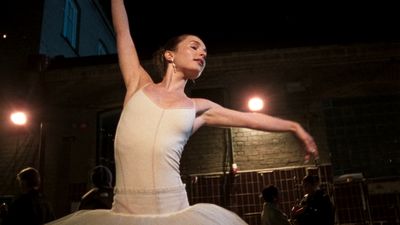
x=294, y=127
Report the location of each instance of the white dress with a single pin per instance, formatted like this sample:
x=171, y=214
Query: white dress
x=148, y=145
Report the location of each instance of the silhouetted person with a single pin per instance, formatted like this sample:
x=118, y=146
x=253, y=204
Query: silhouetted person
x=316, y=207
x=101, y=195
x=30, y=207
x=271, y=214
x=3, y=211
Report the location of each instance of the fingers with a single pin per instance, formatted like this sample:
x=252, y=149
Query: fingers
x=309, y=144
x=307, y=158
x=314, y=152
x=311, y=151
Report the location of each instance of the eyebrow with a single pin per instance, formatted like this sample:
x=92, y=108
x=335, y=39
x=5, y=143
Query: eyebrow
x=197, y=42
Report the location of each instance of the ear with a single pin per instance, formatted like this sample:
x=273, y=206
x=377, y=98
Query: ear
x=169, y=56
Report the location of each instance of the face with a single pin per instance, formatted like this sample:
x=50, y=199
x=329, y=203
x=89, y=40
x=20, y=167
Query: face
x=309, y=188
x=190, y=57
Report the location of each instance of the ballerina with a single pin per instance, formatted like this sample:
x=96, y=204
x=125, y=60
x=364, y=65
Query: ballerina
x=155, y=124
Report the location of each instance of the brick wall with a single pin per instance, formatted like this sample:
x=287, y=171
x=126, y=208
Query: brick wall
x=295, y=82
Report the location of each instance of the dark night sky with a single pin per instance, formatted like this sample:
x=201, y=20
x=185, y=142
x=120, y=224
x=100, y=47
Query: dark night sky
x=246, y=25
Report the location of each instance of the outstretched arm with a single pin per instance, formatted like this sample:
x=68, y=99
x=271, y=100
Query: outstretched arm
x=133, y=73
x=212, y=114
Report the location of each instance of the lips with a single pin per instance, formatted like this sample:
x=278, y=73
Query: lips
x=201, y=62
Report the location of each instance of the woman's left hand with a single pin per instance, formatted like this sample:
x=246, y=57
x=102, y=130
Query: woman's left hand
x=309, y=144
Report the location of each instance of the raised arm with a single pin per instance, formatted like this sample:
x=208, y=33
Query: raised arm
x=133, y=73
x=212, y=114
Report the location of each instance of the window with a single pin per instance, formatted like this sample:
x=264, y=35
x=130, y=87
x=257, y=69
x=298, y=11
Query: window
x=70, y=30
x=101, y=48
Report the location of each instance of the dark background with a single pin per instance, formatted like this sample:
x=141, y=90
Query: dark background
x=247, y=25
x=227, y=26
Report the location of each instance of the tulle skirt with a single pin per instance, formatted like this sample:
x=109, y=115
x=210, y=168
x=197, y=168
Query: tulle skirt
x=198, y=214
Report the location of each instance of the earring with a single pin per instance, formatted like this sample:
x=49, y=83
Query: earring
x=173, y=65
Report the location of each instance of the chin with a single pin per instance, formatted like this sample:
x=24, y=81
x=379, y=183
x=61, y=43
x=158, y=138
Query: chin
x=194, y=75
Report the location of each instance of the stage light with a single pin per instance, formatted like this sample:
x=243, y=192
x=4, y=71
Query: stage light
x=19, y=118
x=256, y=104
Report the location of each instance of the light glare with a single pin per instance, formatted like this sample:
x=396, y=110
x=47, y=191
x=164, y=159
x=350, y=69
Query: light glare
x=256, y=104
x=19, y=118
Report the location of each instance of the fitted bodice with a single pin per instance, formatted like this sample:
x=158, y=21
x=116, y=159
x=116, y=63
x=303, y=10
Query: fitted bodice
x=148, y=144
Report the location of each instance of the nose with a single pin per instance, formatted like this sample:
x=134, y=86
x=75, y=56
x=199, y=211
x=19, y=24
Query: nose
x=203, y=54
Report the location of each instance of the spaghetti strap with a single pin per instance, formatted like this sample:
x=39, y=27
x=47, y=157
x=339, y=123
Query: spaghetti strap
x=141, y=88
x=194, y=103
x=134, y=93
x=145, y=85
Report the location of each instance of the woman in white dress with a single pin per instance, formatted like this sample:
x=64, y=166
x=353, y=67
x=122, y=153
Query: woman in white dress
x=155, y=124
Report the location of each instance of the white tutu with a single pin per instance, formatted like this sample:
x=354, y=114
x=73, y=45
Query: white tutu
x=199, y=214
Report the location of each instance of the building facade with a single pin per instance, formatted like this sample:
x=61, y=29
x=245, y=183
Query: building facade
x=346, y=96
x=35, y=33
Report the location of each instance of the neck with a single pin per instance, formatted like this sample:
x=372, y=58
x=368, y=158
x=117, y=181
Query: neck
x=173, y=81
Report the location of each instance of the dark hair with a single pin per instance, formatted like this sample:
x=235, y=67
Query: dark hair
x=311, y=179
x=101, y=176
x=269, y=193
x=170, y=45
x=30, y=177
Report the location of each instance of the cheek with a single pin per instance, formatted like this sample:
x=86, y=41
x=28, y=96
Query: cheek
x=188, y=57
x=183, y=59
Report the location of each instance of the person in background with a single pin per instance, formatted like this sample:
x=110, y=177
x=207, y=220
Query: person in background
x=271, y=214
x=30, y=207
x=3, y=211
x=102, y=193
x=316, y=207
